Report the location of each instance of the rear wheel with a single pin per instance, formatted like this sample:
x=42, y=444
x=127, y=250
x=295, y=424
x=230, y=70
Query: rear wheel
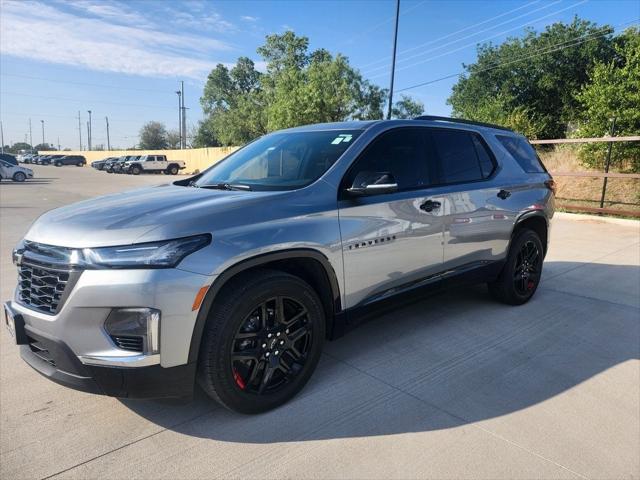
x=172, y=170
x=521, y=274
x=262, y=341
x=58, y=164
x=19, y=177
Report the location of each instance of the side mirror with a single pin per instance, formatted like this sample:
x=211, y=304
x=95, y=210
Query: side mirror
x=372, y=183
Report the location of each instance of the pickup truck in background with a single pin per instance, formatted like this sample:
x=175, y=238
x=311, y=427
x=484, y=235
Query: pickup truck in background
x=153, y=163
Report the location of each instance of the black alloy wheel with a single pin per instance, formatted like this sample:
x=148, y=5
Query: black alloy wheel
x=522, y=271
x=271, y=346
x=262, y=341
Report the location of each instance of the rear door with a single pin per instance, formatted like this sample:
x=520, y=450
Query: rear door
x=477, y=226
x=160, y=162
x=391, y=240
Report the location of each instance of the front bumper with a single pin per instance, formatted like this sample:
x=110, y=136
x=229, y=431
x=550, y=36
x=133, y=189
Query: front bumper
x=85, y=357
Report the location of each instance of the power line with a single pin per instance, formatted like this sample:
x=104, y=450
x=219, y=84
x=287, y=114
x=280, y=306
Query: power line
x=549, y=49
x=453, y=33
x=548, y=5
x=485, y=39
x=70, y=82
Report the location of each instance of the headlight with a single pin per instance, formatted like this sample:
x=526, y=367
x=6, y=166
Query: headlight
x=164, y=254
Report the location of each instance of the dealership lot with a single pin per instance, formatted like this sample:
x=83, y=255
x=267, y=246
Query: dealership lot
x=455, y=386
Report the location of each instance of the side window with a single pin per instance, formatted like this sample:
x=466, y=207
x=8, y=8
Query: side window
x=457, y=158
x=484, y=157
x=523, y=153
x=400, y=151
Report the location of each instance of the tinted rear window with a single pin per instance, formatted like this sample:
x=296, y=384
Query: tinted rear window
x=524, y=153
x=462, y=157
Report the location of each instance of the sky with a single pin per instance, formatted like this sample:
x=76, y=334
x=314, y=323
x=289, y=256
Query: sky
x=125, y=59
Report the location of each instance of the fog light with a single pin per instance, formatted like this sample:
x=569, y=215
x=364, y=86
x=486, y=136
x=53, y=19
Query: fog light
x=135, y=329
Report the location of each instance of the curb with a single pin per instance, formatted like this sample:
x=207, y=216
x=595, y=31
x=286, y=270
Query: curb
x=579, y=217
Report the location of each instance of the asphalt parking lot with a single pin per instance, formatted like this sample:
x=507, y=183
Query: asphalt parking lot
x=455, y=386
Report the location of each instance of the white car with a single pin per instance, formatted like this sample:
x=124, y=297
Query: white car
x=153, y=163
x=14, y=172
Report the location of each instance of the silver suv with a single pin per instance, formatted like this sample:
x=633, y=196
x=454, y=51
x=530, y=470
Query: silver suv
x=235, y=277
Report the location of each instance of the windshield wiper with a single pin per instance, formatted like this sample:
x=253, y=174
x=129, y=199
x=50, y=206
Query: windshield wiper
x=225, y=186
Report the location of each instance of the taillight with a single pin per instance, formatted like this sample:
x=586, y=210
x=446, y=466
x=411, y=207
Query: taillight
x=551, y=185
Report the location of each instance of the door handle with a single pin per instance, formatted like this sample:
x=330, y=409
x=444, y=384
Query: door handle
x=430, y=205
x=504, y=194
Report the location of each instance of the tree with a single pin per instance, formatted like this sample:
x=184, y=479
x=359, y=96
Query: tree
x=299, y=87
x=173, y=139
x=18, y=147
x=406, y=107
x=153, y=136
x=536, y=76
x=614, y=91
x=44, y=147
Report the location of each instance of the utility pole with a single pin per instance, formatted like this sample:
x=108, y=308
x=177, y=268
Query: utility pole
x=393, y=59
x=30, y=137
x=58, y=143
x=42, y=122
x=88, y=135
x=89, y=131
x=1, y=137
x=108, y=141
x=179, y=93
x=80, y=130
x=184, y=118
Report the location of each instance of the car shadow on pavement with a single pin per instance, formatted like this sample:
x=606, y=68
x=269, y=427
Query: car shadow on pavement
x=446, y=361
x=37, y=181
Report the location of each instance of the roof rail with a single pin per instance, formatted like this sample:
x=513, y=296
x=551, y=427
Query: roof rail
x=461, y=120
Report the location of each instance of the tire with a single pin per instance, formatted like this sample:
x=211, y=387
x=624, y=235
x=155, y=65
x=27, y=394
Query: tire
x=58, y=164
x=19, y=177
x=135, y=170
x=172, y=170
x=520, y=276
x=79, y=164
x=243, y=383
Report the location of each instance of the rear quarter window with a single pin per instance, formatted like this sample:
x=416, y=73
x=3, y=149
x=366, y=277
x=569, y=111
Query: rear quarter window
x=523, y=153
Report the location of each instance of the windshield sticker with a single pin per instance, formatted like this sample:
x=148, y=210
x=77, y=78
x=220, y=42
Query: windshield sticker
x=342, y=138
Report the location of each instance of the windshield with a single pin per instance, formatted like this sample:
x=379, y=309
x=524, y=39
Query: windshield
x=281, y=161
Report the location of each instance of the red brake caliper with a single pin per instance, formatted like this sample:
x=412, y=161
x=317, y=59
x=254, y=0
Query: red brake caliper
x=238, y=379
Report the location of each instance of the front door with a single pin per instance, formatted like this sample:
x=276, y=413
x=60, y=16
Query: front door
x=391, y=240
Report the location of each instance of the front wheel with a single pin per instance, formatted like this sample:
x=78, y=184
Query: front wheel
x=19, y=177
x=262, y=341
x=135, y=170
x=521, y=274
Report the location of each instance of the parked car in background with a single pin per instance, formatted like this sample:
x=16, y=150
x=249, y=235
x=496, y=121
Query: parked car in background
x=7, y=157
x=77, y=160
x=120, y=166
x=50, y=159
x=26, y=158
x=154, y=164
x=235, y=277
x=14, y=172
x=99, y=164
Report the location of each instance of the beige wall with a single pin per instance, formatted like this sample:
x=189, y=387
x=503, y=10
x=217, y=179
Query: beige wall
x=195, y=158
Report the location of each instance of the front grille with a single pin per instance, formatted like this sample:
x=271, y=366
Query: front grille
x=41, y=352
x=41, y=288
x=132, y=343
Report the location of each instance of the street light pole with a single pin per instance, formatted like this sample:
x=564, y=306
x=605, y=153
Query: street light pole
x=89, y=130
x=30, y=137
x=108, y=141
x=42, y=121
x=393, y=60
x=80, y=129
x=179, y=93
x=184, y=118
x=1, y=138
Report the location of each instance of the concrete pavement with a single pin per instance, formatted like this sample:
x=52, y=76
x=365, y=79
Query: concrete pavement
x=455, y=386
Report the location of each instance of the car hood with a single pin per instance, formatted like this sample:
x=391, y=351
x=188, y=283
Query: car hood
x=148, y=214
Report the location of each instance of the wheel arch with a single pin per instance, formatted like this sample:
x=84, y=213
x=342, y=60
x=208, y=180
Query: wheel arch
x=310, y=265
x=536, y=221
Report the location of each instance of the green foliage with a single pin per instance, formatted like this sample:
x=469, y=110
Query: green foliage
x=17, y=147
x=614, y=90
x=406, y=107
x=530, y=83
x=153, y=136
x=299, y=87
x=44, y=147
x=173, y=139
